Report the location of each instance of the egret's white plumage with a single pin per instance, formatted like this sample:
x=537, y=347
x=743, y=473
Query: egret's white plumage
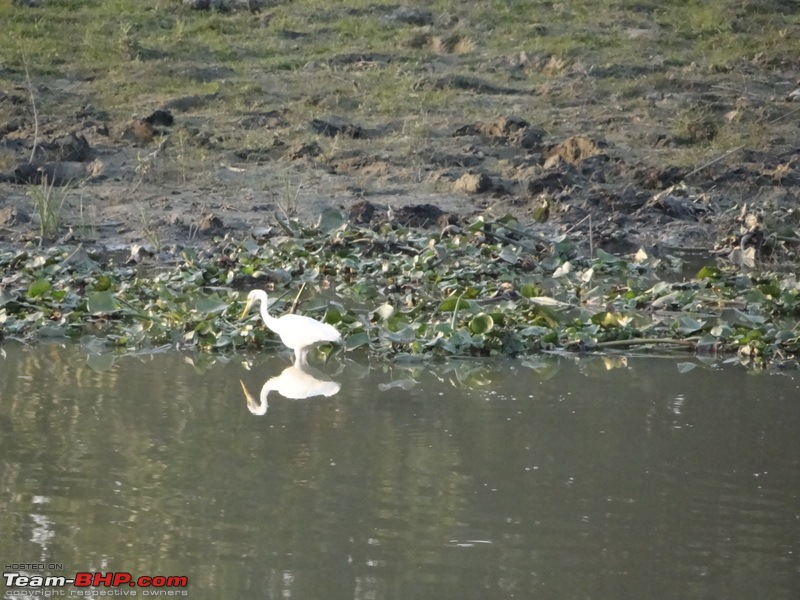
x=296, y=331
x=297, y=382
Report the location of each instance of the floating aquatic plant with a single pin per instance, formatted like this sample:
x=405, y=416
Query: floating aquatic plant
x=481, y=290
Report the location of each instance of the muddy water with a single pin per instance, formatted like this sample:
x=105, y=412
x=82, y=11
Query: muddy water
x=550, y=478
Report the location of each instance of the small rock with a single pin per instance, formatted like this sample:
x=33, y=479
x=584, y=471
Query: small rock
x=516, y=130
x=139, y=253
x=701, y=129
x=96, y=169
x=335, y=126
x=421, y=215
x=518, y=61
x=54, y=173
x=473, y=183
x=361, y=213
x=556, y=161
x=464, y=82
x=679, y=202
x=470, y=129
x=209, y=222
x=9, y=127
x=237, y=5
x=187, y=103
x=90, y=112
x=301, y=150
x=577, y=148
x=529, y=138
x=12, y=215
x=455, y=160
x=593, y=168
x=658, y=178
x=160, y=117
x=140, y=131
x=733, y=116
x=411, y=16
x=70, y=148
x=69, y=236
x=454, y=43
x=101, y=129
x=268, y=120
x=505, y=126
x=552, y=182
x=261, y=153
x=416, y=39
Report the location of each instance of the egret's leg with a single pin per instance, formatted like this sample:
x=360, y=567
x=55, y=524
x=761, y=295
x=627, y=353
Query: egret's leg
x=300, y=356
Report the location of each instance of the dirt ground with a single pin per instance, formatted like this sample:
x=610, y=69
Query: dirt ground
x=648, y=169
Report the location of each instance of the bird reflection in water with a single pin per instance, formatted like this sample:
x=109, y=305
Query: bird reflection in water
x=296, y=382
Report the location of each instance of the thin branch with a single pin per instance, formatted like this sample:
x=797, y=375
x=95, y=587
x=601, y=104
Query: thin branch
x=644, y=341
x=297, y=298
x=455, y=310
x=284, y=223
x=711, y=162
x=33, y=106
x=578, y=224
x=732, y=150
x=522, y=232
x=508, y=240
x=789, y=114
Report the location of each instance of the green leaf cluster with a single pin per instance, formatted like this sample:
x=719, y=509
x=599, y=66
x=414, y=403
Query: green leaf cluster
x=401, y=292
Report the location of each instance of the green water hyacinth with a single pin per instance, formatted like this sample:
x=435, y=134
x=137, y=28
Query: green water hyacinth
x=404, y=292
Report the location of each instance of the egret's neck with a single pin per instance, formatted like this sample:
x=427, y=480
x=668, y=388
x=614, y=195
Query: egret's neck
x=256, y=408
x=269, y=320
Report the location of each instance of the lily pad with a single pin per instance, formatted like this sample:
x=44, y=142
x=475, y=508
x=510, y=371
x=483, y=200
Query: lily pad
x=509, y=255
x=482, y=323
x=101, y=303
x=210, y=304
x=450, y=303
x=356, y=341
x=708, y=272
x=604, y=257
x=688, y=325
x=38, y=287
x=102, y=283
x=6, y=296
x=403, y=336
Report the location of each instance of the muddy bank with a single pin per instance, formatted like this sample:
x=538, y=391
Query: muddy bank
x=532, y=136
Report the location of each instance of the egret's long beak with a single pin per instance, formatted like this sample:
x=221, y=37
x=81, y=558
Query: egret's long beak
x=246, y=308
x=251, y=402
x=254, y=407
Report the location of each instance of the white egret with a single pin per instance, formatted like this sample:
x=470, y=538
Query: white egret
x=296, y=331
x=295, y=383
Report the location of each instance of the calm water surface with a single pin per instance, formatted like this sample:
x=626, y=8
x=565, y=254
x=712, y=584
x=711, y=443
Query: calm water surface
x=552, y=478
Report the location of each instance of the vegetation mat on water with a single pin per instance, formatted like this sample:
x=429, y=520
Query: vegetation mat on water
x=487, y=288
